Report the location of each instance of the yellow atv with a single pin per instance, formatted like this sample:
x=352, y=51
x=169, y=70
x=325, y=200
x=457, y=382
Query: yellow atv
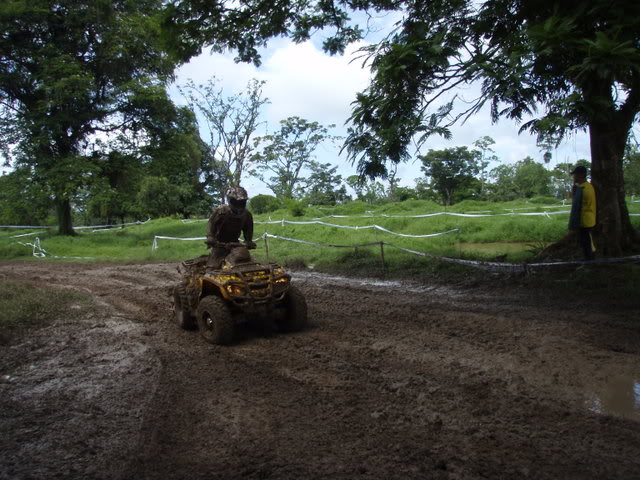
x=216, y=300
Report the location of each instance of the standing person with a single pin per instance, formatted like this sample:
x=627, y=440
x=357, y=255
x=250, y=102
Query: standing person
x=225, y=225
x=583, y=211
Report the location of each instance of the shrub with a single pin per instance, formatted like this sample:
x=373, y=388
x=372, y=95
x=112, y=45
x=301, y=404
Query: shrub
x=264, y=204
x=296, y=209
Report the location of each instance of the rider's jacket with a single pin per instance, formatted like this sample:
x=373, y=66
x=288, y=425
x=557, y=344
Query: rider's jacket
x=226, y=224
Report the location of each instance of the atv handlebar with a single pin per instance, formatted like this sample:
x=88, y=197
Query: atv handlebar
x=249, y=245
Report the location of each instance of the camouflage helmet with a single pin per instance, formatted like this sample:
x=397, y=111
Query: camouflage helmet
x=237, y=193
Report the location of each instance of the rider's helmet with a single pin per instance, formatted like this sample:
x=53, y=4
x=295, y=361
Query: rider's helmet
x=237, y=197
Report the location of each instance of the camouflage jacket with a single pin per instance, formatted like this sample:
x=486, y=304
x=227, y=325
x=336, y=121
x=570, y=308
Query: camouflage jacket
x=225, y=225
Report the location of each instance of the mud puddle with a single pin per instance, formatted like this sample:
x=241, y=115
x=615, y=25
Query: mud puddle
x=322, y=278
x=619, y=397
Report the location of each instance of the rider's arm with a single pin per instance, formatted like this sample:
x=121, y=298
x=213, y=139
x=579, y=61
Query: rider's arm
x=213, y=227
x=247, y=227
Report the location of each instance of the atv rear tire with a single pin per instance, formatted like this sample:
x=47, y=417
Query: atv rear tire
x=181, y=312
x=215, y=320
x=295, y=311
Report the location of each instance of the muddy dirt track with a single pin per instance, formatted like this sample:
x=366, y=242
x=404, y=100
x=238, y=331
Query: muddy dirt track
x=392, y=381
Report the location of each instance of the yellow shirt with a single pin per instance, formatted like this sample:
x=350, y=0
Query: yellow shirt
x=588, y=210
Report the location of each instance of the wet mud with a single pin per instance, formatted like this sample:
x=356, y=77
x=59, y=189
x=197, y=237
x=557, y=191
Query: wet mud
x=392, y=381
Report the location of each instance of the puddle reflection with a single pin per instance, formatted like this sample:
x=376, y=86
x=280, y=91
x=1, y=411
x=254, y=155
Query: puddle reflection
x=620, y=397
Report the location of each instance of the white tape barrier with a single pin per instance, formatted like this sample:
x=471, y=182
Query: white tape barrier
x=307, y=242
x=159, y=237
x=471, y=214
x=114, y=225
x=453, y=214
x=512, y=267
x=353, y=227
x=27, y=234
x=27, y=227
x=40, y=252
x=24, y=227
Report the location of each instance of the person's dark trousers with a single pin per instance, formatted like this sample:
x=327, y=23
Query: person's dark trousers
x=586, y=243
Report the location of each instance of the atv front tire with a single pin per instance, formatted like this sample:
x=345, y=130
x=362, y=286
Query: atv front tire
x=295, y=311
x=181, y=312
x=215, y=320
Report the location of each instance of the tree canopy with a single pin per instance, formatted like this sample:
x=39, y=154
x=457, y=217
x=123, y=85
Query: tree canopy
x=554, y=66
x=451, y=170
x=71, y=70
x=288, y=154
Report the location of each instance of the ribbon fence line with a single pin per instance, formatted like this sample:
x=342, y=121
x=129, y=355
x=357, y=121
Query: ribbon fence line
x=494, y=266
x=160, y=237
x=474, y=214
x=453, y=214
x=40, y=252
x=86, y=227
x=353, y=227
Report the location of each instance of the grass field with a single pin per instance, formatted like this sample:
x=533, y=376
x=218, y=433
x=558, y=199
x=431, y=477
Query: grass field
x=514, y=238
x=24, y=306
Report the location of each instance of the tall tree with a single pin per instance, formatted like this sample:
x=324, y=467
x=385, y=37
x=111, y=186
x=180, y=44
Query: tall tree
x=323, y=186
x=230, y=122
x=451, y=170
x=288, y=153
x=23, y=202
x=578, y=61
x=366, y=190
x=487, y=155
x=70, y=69
x=176, y=151
x=524, y=179
x=632, y=170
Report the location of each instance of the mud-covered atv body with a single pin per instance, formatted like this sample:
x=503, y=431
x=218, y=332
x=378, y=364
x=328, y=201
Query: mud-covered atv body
x=217, y=300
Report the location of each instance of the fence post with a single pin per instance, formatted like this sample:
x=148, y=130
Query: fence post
x=266, y=245
x=384, y=265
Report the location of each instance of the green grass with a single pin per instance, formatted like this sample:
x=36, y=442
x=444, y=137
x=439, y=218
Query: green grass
x=482, y=238
x=24, y=306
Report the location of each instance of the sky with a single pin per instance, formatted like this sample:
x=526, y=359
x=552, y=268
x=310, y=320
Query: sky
x=302, y=80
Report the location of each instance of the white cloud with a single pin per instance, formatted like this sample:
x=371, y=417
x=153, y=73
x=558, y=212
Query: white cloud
x=302, y=80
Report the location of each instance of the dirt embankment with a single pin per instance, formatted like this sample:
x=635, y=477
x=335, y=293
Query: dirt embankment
x=392, y=381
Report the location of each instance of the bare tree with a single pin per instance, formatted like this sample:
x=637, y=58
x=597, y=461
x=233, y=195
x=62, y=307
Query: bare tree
x=230, y=124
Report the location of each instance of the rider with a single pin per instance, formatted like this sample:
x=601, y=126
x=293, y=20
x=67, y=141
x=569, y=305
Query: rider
x=225, y=225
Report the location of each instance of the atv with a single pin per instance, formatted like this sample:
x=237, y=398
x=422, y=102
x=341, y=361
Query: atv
x=217, y=300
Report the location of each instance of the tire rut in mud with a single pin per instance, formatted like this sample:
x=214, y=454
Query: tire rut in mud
x=385, y=384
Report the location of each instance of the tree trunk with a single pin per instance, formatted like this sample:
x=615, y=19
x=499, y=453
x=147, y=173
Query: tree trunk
x=63, y=209
x=614, y=232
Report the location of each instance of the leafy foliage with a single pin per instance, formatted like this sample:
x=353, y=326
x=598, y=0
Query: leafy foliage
x=70, y=69
x=524, y=179
x=323, y=186
x=451, y=170
x=23, y=202
x=632, y=171
x=288, y=154
x=264, y=204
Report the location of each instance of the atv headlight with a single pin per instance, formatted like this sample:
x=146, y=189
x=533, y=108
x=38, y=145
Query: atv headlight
x=224, y=278
x=236, y=290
